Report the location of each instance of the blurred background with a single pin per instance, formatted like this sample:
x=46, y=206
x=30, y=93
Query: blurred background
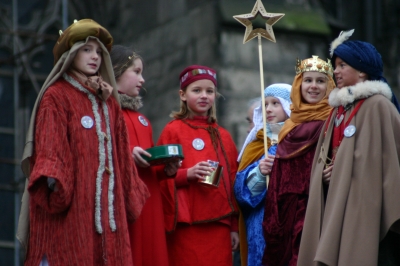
x=170, y=35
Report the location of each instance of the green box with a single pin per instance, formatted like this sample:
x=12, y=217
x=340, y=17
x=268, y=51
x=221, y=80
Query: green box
x=164, y=154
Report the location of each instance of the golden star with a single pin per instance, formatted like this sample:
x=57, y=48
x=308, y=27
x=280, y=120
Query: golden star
x=271, y=19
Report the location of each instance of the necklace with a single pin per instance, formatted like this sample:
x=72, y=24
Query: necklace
x=338, y=132
x=340, y=116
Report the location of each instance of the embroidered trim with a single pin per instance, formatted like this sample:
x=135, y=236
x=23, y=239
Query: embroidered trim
x=196, y=72
x=102, y=157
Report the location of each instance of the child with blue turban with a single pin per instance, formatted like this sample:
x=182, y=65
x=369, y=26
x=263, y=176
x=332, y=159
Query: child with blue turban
x=353, y=214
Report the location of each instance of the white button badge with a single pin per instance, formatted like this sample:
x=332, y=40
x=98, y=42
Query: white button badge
x=349, y=131
x=198, y=144
x=143, y=121
x=87, y=122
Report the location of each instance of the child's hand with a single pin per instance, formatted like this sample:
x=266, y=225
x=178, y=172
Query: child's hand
x=198, y=171
x=326, y=174
x=136, y=153
x=235, y=241
x=171, y=168
x=266, y=165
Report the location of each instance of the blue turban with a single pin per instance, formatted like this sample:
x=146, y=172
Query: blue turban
x=364, y=57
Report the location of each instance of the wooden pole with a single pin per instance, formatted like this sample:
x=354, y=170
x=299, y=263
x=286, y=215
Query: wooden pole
x=260, y=58
x=262, y=94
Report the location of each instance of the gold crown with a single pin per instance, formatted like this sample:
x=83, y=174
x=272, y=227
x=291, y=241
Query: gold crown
x=314, y=64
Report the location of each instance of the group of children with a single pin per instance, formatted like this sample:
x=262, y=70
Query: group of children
x=89, y=185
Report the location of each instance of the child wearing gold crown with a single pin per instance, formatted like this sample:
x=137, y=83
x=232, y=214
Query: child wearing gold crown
x=353, y=215
x=287, y=195
x=83, y=185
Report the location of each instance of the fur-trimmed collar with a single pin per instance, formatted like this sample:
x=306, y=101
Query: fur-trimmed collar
x=347, y=95
x=131, y=103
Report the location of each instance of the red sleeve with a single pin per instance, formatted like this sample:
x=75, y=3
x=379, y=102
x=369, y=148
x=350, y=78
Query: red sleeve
x=52, y=157
x=135, y=191
x=167, y=137
x=235, y=223
x=232, y=157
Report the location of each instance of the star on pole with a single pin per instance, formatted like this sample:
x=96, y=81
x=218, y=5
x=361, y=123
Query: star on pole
x=271, y=19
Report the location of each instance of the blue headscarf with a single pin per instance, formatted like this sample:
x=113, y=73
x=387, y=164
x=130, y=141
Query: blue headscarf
x=280, y=91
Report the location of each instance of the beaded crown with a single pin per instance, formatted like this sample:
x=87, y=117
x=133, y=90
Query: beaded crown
x=314, y=64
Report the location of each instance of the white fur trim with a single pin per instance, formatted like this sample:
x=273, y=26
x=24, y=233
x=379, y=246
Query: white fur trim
x=343, y=36
x=102, y=157
x=361, y=90
x=111, y=183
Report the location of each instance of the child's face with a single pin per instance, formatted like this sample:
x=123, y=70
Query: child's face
x=88, y=58
x=345, y=75
x=274, y=110
x=131, y=81
x=199, y=96
x=313, y=86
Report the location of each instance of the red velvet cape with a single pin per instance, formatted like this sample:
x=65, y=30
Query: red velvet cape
x=287, y=195
x=62, y=222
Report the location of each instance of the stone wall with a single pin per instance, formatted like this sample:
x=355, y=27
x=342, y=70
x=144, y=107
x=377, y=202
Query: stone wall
x=171, y=34
x=196, y=36
x=191, y=38
x=237, y=65
x=239, y=72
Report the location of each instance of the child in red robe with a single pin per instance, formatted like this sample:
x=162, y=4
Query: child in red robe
x=83, y=185
x=201, y=219
x=147, y=233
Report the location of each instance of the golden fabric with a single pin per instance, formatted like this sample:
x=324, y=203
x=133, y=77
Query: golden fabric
x=254, y=150
x=79, y=31
x=304, y=112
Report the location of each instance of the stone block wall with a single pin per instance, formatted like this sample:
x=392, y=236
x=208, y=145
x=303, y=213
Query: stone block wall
x=189, y=38
x=197, y=37
x=239, y=72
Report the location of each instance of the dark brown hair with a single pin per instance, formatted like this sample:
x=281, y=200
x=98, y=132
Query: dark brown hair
x=122, y=58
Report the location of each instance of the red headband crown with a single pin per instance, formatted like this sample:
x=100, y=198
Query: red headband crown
x=197, y=72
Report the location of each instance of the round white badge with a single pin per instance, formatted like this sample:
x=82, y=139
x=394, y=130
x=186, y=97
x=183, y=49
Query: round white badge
x=198, y=144
x=349, y=131
x=143, y=121
x=87, y=122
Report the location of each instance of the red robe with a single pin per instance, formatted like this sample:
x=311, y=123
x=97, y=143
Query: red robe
x=200, y=218
x=287, y=195
x=62, y=225
x=147, y=234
